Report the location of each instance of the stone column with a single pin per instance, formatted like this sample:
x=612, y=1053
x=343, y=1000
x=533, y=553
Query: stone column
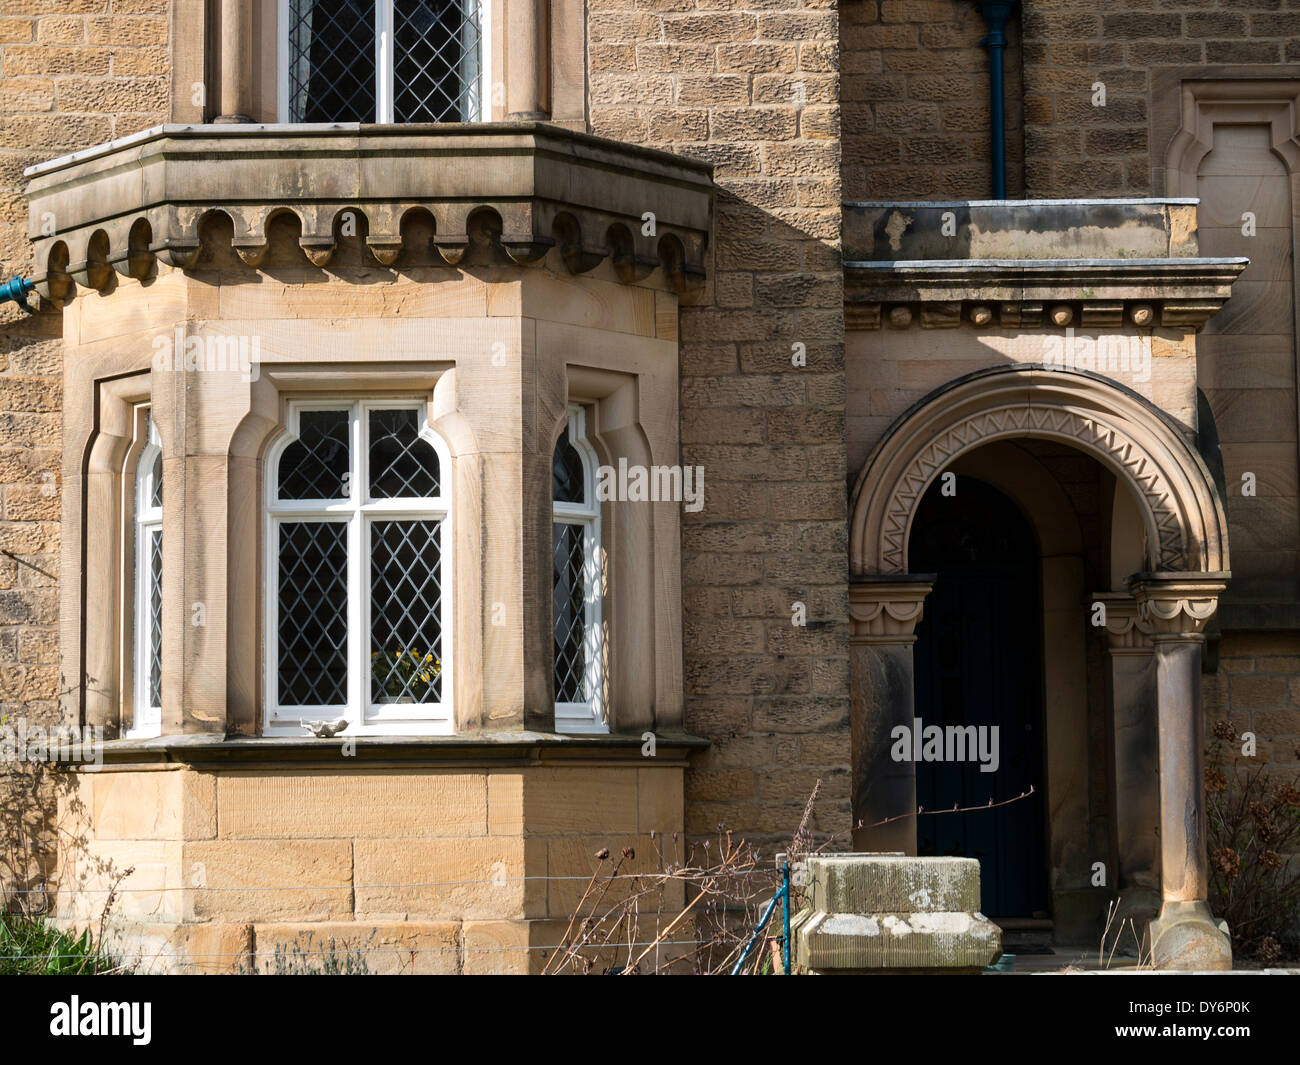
x=527, y=52
x=236, y=61
x=1136, y=799
x=1176, y=607
x=883, y=613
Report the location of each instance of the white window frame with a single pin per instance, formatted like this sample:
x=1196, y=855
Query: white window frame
x=359, y=512
x=590, y=715
x=383, y=62
x=146, y=720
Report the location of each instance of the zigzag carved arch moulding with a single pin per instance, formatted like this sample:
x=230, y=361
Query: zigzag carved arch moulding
x=1186, y=529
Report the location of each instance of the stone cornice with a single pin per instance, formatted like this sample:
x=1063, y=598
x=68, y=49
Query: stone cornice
x=1038, y=293
x=523, y=188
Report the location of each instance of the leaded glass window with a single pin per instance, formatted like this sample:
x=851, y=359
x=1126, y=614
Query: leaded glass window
x=577, y=582
x=148, y=501
x=384, y=60
x=357, y=546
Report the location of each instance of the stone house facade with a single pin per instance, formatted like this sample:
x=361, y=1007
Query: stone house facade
x=347, y=316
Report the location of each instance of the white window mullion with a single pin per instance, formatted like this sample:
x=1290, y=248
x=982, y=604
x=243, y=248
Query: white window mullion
x=358, y=567
x=384, y=58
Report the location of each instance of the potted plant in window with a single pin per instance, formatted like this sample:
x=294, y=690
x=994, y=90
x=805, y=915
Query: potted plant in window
x=405, y=675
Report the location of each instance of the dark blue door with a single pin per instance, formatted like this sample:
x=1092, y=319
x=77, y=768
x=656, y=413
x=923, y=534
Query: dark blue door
x=978, y=661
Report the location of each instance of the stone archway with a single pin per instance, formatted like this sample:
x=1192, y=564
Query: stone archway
x=1185, y=554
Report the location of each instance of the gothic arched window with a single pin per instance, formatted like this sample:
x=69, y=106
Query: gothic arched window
x=147, y=697
x=576, y=547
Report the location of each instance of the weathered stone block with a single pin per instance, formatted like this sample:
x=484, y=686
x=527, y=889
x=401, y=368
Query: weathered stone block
x=874, y=912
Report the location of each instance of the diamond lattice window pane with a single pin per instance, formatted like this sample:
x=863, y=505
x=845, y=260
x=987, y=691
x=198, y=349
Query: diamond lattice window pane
x=313, y=621
x=570, y=615
x=315, y=466
x=401, y=464
x=405, y=612
x=155, y=485
x=567, y=481
x=331, y=60
x=155, y=617
x=437, y=56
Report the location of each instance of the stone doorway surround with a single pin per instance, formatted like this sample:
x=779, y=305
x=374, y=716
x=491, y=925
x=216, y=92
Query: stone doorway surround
x=1185, y=559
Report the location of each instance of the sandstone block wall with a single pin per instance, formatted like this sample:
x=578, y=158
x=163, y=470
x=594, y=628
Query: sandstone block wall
x=73, y=73
x=421, y=870
x=754, y=90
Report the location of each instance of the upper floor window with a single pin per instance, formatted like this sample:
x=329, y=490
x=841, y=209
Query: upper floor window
x=579, y=636
x=357, y=570
x=147, y=698
x=383, y=60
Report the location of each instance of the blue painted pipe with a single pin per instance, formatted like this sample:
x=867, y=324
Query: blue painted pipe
x=16, y=289
x=996, y=15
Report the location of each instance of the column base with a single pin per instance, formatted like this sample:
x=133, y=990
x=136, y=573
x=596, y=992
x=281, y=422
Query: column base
x=1185, y=937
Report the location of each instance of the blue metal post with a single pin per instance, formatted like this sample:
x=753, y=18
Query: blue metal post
x=16, y=289
x=785, y=892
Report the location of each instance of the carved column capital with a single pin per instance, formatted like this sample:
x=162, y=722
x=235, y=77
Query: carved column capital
x=887, y=609
x=1127, y=631
x=1177, y=605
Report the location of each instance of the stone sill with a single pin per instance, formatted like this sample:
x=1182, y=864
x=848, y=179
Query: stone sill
x=496, y=749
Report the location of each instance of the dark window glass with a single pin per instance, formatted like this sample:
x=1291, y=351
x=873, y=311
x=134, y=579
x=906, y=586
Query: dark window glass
x=331, y=61
x=405, y=612
x=401, y=464
x=316, y=465
x=437, y=49
x=567, y=481
x=313, y=619
x=155, y=617
x=570, y=615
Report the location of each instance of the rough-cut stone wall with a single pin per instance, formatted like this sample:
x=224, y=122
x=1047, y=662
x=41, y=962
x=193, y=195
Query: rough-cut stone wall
x=1257, y=689
x=1073, y=148
x=915, y=90
x=754, y=90
x=73, y=73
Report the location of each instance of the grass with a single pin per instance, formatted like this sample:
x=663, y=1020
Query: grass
x=30, y=946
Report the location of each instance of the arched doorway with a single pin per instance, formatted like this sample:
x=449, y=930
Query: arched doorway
x=978, y=665
x=1175, y=533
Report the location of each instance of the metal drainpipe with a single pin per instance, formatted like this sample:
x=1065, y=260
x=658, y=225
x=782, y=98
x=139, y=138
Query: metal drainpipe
x=16, y=290
x=996, y=13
